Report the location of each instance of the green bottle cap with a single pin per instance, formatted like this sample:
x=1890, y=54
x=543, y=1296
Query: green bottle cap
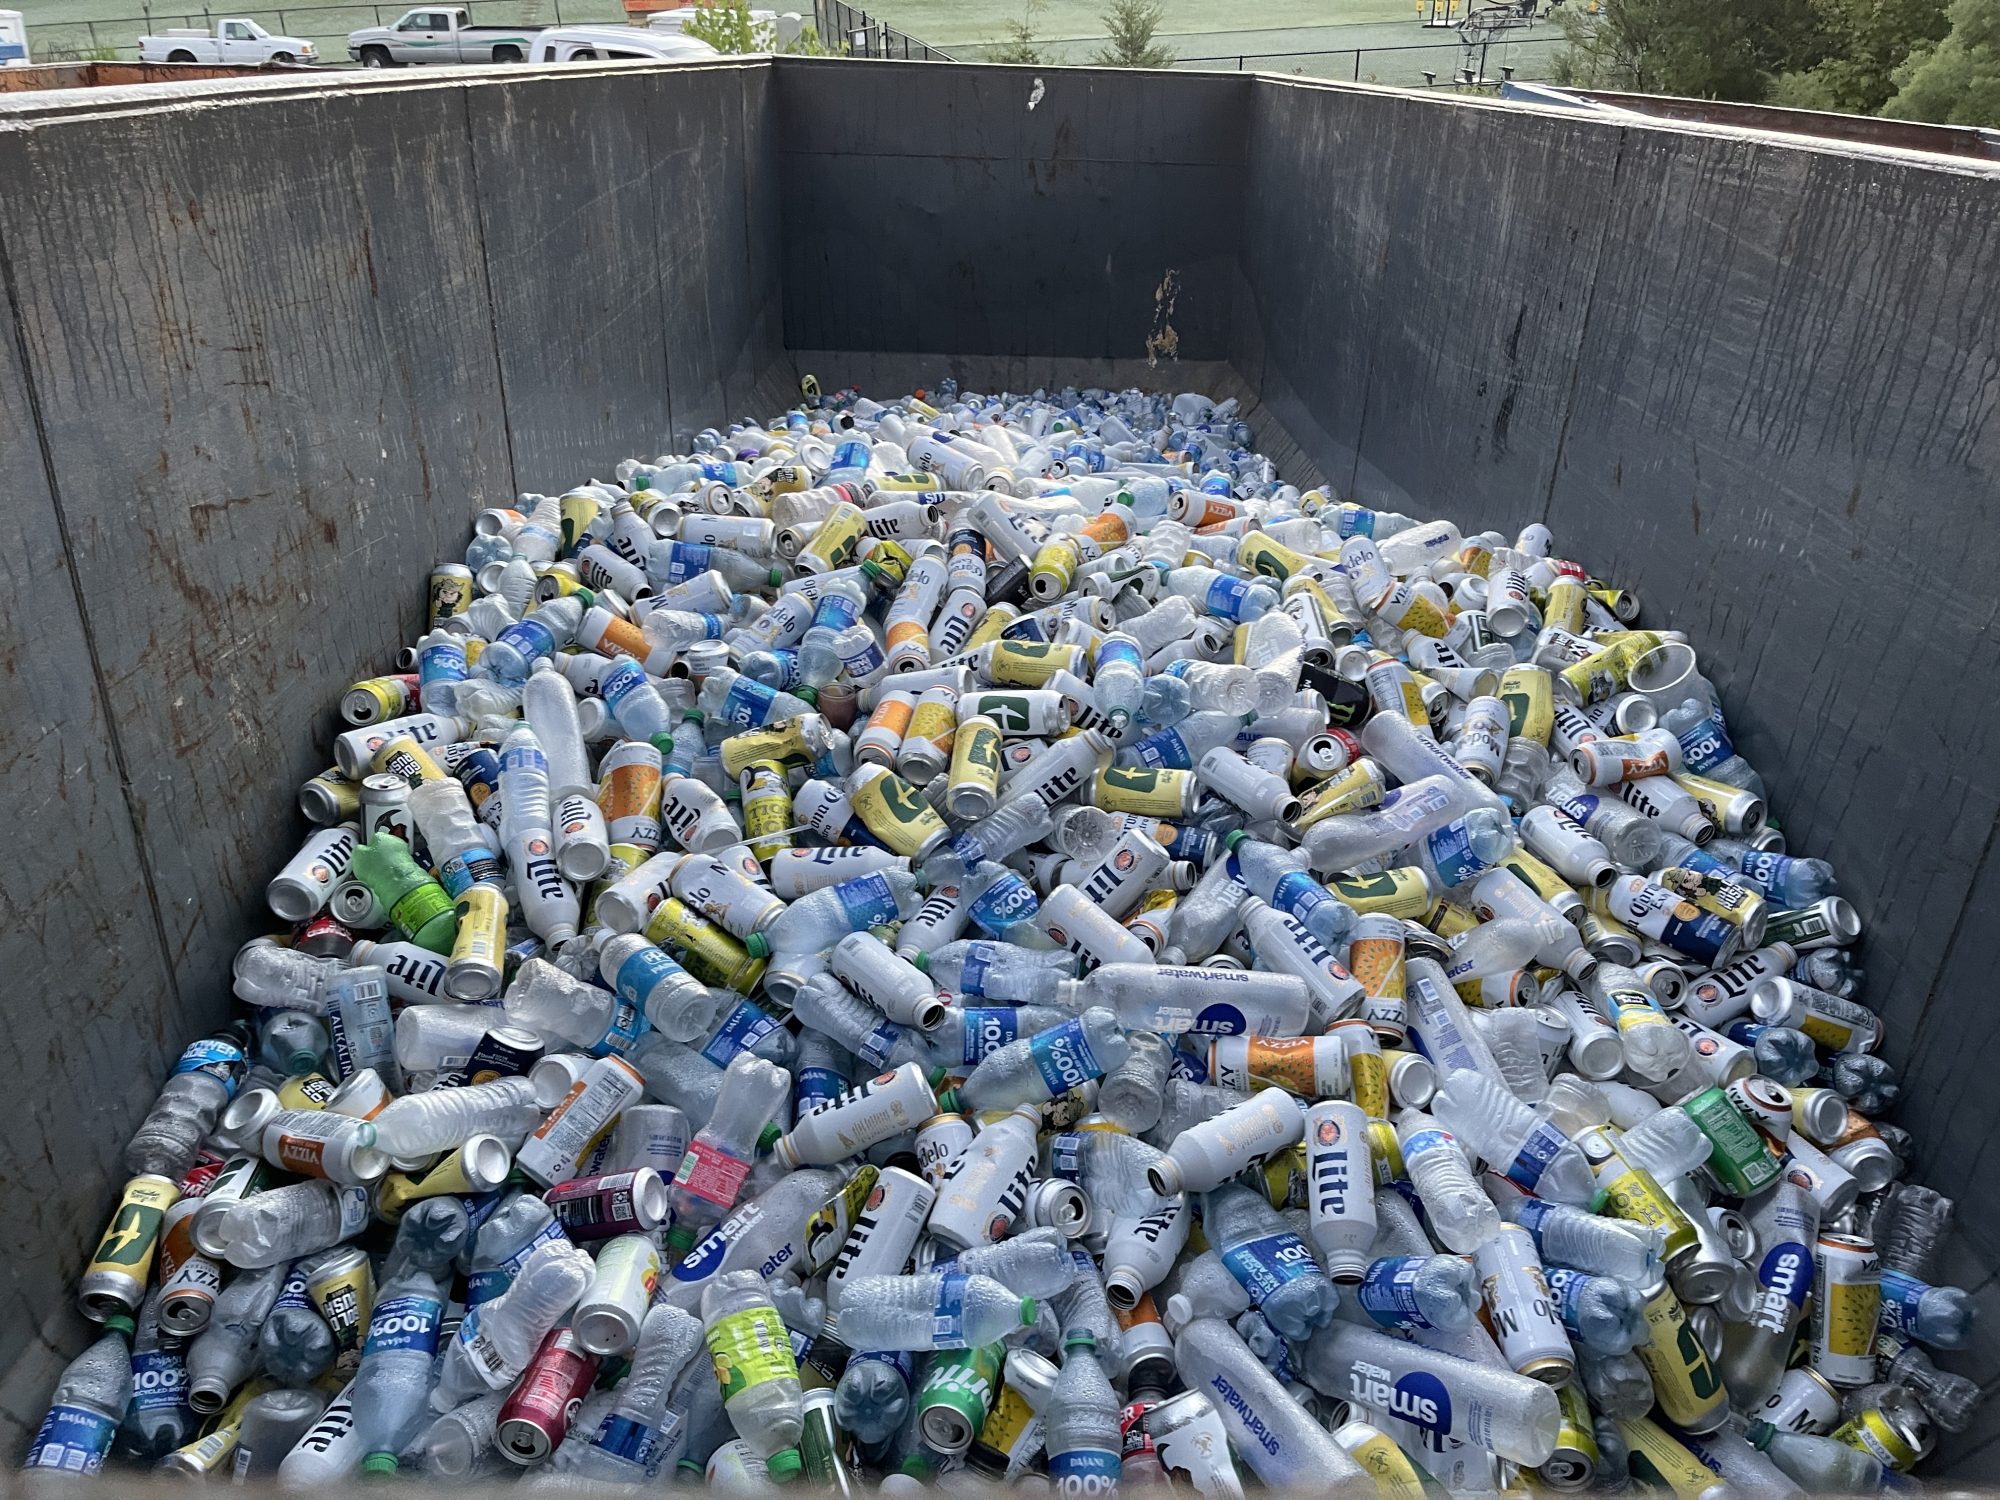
x=757, y=945
x=1231, y=840
x=120, y=1323
x=379, y=1463
x=1028, y=1314
x=784, y=1466
x=769, y=1135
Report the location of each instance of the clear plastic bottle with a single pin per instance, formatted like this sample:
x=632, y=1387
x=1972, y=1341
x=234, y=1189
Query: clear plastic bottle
x=268, y=976
x=454, y=836
x=1516, y=1142
x=463, y=1442
x=497, y=1338
x=983, y=969
x=281, y=1224
x=730, y=698
x=89, y=1402
x=1014, y=826
x=873, y=1394
x=1033, y=1263
x=1180, y=746
x=1568, y=1236
x=1631, y=838
x=1941, y=1316
x=440, y=670
x=1910, y=1228
x=444, y=1118
x=624, y=1446
x=1460, y=1215
x=1420, y=1291
x=1785, y=1056
x=1277, y=1268
x=1600, y=1313
x=829, y=1007
x=292, y=1042
x=1278, y=878
x=1275, y=1435
x=549, y=1000
x=1420, y=807
x=511, y=656
x=295, y=1345
x=1118, y=677
x=1109, y=1166
x=519, y=1226
x=711, y=1174
x=678, y=1005
x=272, y=1422
x=1048, y=1063
x=1950, y=1399
x=1205, y=917
x=393, y=1382
x=1655, y=1049
x=1666, y=1143
x=1822, y=1465
x=1618, y=1385
x=1705, y=745
x=817, y=921
x=1081, y=1430
x=159, y=1419
x=192, y=1100
x=936, y=1310
x=753, y=1361
x=1131, y=1094
x=1515, y=1417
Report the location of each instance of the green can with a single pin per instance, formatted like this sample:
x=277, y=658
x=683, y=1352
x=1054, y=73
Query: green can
x=1737, y=1155
x=957, y=1395
x=819, y=1444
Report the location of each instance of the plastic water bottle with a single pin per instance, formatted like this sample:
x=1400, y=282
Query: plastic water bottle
x=393, y=1383
x=282, y=1224
x=1131, y=1095
x=1033, y=1263
x=1460, y=1214
x=979, y=968
x=829, y=1007
x=753, y=1361
x=1941, y=1316
x=1278, y=878
x=159, y=1418
x=672, y=1000
x=1080, y=1424
x=1514, y=1416
x=89, y=1403
x=873, y=1394
x=443, y=1118
x=1601, y=1314
x=462, y=1442
x=719, y=1157
x=295, y=1345
x=1049, y=1063
x=1951, y=1399
x=1822, y=1465
x=966, y=1038
x=1568, y=1236
x=818, y=921
x=272, y=1422
x=1274, y=1434
x=625, y=1445
x=1910, y=1228
x=1666, y=1143
x=510, y=656
x=939, y=1310
x=192, y=1100
x=1013, y=826
x=497, y=1338
x=1180, y=746
x=1276, y=1267
x=1420, y=1291
x=1515, y=1141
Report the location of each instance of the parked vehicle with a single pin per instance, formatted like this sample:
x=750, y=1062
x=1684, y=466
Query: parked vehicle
x=561, y=44
x=233, y=39
x=442, y=34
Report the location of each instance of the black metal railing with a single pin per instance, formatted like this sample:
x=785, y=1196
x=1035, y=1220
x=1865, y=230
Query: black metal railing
x=846, y=26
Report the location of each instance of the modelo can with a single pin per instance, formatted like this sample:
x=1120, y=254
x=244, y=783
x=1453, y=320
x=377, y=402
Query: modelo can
x=114, y=1283
x=536, y=1417
x=940, y=1141
x=1520, y=1311
x=1803, y=1402
x=1847, y=1302
x=607, y=1320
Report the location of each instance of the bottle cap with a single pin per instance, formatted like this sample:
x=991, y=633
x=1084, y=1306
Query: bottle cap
x=768, y=1136
x=784, y=1466
x=680, y=1239
x=757, y=945
x=921, y=961
x=119, y=1323
x=379, y=1463
x=1027, y=1311
x=1082, y=1338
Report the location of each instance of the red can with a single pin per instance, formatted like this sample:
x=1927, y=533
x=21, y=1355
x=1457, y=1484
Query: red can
x=602, y=1208
x=537, y=1416
x=324, y=937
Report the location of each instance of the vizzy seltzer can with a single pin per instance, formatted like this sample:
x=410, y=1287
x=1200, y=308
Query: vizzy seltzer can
x=1846, y=1305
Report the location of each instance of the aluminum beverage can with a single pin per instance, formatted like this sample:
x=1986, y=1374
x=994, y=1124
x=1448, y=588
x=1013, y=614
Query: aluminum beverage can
x=537, y=1415
x=605, y=1207
x=1803, y=1402
x=885, y=1231
x=114, y=1282
x=330, y=797
x=504, y=1052
x=341, y=1285
x=1846, y=1306
x=1573, y=1466
x=1520, y=1311
x=607, y=1320
x=479, y=947
x=940, y=1141
x=957, y=1396
x=450, y=592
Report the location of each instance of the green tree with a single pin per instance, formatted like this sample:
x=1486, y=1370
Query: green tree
x=1021, y=45
x=1694, y=48
x=1864, y=42
x=728, y=26
x=1129, y=27
x=1956, y=82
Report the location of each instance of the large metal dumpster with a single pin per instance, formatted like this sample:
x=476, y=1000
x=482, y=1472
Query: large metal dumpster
x=268, y=343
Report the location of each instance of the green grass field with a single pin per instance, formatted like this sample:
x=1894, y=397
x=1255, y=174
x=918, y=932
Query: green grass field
x=1315, y=38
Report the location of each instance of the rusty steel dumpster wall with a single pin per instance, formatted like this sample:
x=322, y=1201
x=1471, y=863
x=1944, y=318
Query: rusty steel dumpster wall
x=269, y=344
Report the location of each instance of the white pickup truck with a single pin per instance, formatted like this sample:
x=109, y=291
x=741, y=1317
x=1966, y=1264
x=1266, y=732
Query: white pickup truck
x=444, y=34
x=233, y=40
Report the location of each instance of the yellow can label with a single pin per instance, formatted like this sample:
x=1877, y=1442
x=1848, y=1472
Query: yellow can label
x=1260, y=554
x=999, y=615
x=579, y=510
x=307, y=1091
x=897, y=814
x=1530, y=698
x=1565, y=605
x=1685, y=1383
x=128, y=1245
x=1853, y=1308
x=1658, y=1461
x=784, y=742
x=975, y=754
x=935, y=721
x=767, y=816
x=1538, y=877
x=1396, y=1478
x=387, y=694
x=1871, y=1433
x=1637, y=1197
x=705, y=950
x=1401, y=892
x=1146, y=791
x=1385, y=1153
x=1368, y=1083
x=1032, y=663
x=405, y=758
x=482, y=927
x=1356, y=789
x=833, y=545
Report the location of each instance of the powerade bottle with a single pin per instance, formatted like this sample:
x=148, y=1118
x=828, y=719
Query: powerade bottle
x=90, y=1401
x=201, y=1085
